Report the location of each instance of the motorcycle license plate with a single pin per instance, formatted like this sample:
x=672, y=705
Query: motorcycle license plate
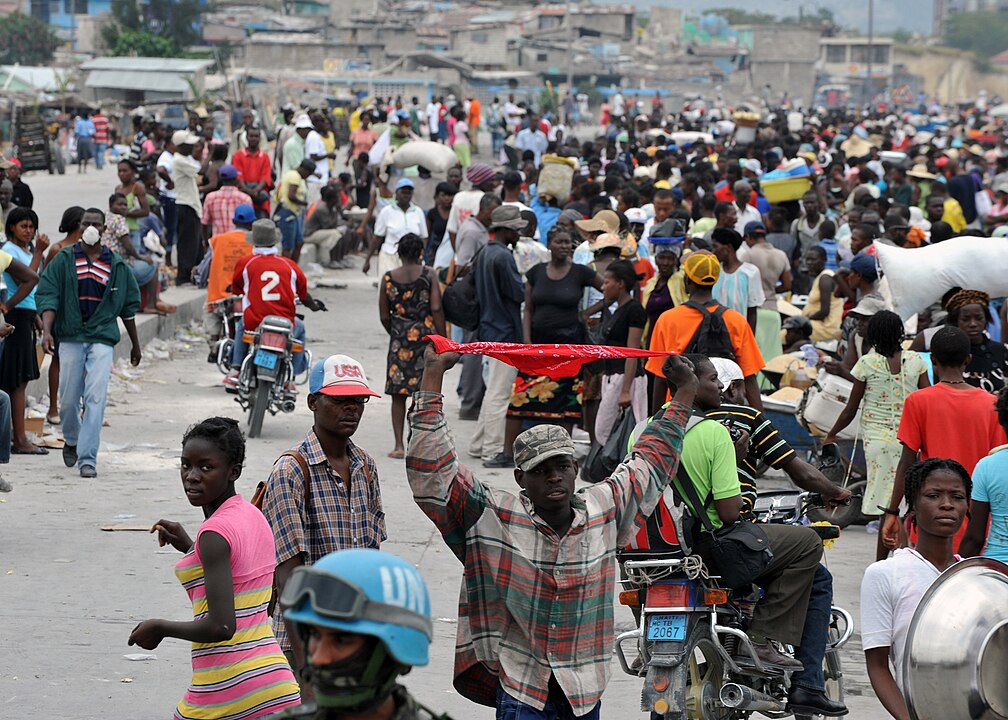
x=667, y=627
x=265, y=359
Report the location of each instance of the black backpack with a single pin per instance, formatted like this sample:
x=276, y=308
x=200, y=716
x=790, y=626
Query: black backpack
x=459, y=301
x=711, y=338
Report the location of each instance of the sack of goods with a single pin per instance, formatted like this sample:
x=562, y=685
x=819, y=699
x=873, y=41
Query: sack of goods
x=431, y=155
x=555, y=177
x=919, y=277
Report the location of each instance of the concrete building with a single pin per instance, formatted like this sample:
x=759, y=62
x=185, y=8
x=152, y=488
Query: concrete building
x=781, y=56
x=846, y=60
x=138, y=80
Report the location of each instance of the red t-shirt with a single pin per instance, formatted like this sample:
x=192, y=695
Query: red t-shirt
x=270, y=284
x=253, y=169
x=955, y=422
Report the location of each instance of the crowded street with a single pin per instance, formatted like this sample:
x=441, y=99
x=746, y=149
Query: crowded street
x=89, y=587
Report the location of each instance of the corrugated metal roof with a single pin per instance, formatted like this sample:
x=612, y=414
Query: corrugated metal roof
x=157, y=65
x=137, y=80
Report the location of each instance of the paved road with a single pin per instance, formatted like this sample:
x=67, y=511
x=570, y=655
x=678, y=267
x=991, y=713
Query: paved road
x=72, y=593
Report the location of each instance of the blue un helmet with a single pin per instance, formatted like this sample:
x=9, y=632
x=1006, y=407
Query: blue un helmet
x=366, y=592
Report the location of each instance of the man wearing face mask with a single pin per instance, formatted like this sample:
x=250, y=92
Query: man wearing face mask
x=364, y=618
x=83, y=292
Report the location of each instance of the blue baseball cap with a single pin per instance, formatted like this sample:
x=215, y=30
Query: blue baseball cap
x=244, y=214
x=227, y=172
x=404, y=183
x=754, y=226
x=863, y=264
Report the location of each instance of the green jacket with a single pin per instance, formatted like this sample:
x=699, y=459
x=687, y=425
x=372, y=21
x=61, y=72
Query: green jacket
x=57, y=291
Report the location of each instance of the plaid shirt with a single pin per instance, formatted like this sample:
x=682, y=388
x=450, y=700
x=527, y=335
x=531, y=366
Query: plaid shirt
x=337, y=517
x=219, y=207
x=534, y=604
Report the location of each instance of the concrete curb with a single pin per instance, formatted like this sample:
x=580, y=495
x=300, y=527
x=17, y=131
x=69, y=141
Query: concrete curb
x=190, y=303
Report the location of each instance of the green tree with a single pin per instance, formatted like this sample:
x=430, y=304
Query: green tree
x=163, y=28
x=26, y=40
x=143, y=44
x=985, y=33
x=737, y=16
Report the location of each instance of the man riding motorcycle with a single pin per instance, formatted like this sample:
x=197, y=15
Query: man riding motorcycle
x=767, y=446
x=270, y=284
x=785, y=612
x=364, y=617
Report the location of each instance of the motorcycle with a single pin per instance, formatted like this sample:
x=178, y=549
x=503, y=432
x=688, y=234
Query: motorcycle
x=230, y=311
x=266, y=376
x=692, y=649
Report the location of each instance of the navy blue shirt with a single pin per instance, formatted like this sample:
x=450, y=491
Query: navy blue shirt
x=500, y=292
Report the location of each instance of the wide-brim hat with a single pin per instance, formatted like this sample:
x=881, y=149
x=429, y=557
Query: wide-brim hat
x=920, y=172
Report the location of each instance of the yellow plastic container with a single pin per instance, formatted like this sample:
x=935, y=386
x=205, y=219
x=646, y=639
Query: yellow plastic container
x=785, y=189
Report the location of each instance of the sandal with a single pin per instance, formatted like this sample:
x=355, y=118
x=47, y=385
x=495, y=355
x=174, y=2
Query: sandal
x=397, y=454
x=53, y=419
x=36, y=450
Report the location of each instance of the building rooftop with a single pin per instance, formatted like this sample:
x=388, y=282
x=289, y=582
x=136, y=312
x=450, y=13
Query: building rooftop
x=146, y=64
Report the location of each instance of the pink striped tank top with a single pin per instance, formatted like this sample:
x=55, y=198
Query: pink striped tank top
x=247, y=676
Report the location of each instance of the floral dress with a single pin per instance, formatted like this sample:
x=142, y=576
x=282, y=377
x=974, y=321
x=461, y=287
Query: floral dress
x=881, y=409
x=411, y=323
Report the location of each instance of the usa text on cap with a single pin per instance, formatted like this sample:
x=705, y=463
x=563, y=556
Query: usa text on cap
x=339, y=376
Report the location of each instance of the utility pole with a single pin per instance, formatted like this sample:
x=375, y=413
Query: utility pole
x=570, y=48
x=871, y=38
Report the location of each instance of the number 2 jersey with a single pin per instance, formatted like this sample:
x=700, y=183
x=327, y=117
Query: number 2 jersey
x=270, y=283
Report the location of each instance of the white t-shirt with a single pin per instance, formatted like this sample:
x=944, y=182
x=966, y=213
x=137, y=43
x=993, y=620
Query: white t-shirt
x=464, y=204
x=314, y=147
x=741, y=289
x=750, y=214
x=890, y=592
x=392, y=223
x=165, y=161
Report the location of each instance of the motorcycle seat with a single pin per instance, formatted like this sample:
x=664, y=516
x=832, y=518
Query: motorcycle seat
x=277, y=324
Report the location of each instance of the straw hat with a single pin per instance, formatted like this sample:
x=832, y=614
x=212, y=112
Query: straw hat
x=920, y=172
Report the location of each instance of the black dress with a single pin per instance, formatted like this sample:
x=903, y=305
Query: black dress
x=554, y=320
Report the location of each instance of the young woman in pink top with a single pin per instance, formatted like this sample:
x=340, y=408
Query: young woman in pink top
x=239, y=670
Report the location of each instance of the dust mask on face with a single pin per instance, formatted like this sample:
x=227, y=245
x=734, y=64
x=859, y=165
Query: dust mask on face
x=90, y=236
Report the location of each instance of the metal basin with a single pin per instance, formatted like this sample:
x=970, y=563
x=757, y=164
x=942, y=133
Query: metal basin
x=956, y=661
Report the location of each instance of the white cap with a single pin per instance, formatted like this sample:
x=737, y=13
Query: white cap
x=183, y=137
x=753, y=165
x=727, y=371
x=303, y=121
x=339, y=376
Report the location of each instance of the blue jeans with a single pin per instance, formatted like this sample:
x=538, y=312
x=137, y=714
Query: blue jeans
x=240, y=348
x=5, y=428
x=170, y=214
x=557, y=708
x=814, y=635
x=99, y=157
x=84, y=373
x=291, y=227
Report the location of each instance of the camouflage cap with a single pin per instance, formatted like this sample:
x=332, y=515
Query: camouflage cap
x=540, y=443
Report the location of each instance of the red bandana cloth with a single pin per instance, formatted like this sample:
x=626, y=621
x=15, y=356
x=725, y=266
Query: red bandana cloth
x=551, y=360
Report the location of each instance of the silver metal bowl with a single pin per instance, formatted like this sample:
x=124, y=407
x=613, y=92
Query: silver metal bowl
x=956, y=662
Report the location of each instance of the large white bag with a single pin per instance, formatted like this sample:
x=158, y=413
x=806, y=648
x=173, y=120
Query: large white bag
x=434, y=156
x=919, y=277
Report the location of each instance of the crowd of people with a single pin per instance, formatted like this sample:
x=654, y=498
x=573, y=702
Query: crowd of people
x=668, y=234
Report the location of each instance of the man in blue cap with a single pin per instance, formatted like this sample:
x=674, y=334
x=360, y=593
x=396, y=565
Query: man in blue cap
x=364, y=617
x=394, y=221
x=219, y=206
